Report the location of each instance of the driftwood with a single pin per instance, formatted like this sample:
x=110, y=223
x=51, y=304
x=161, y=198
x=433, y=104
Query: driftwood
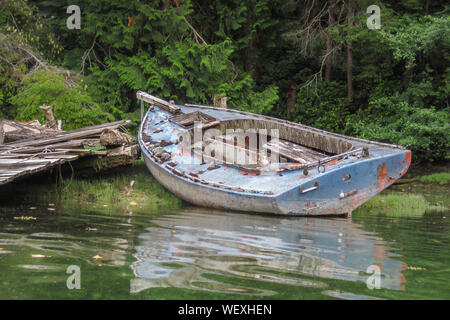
x=405, y=181
x=12, y=131
x=29, y=148
x=114, y=138
x=50, y=121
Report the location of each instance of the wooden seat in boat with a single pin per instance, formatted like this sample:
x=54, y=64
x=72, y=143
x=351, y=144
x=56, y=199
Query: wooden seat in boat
x=236, y=149
x=294, y=152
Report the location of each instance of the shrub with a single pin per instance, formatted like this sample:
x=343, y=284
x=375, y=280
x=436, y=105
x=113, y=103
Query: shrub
x=69, y=100
x=425, y=131
x=324, y=108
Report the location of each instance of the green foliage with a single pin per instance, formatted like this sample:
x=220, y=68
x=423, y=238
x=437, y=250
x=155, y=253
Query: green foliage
x=323, y=108
x=70, y=101
x=412, y=37
x=425, y=131
x=23, y=23
x=170, y=67
x=8, y=87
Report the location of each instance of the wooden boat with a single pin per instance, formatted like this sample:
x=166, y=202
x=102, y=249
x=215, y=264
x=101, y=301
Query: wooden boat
x=234, y=160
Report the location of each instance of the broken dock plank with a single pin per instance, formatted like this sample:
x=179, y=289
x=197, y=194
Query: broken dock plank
x=66, y=136
x=41, y=152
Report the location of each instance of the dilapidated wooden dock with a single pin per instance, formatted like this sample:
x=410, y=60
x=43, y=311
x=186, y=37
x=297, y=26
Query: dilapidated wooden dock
x=31, y=148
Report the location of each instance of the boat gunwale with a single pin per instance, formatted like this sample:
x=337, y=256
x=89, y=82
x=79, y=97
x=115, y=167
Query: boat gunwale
x=300, y=126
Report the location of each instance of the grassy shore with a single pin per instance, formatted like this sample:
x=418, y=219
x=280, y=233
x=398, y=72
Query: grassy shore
x=134, y=189
x=424, y=194
x=442, y=178
x=119, y=190
x=124, y=189
x=411, y=205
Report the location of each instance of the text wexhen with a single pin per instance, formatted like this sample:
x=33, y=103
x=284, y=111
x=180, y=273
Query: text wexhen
x=233, y=309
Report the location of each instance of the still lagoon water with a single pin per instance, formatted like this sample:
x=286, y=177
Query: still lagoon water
x=195, y=253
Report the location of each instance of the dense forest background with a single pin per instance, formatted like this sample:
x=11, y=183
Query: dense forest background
x=310, y=61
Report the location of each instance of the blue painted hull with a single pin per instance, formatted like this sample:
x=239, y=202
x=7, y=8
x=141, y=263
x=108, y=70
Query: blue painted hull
x=335, y=187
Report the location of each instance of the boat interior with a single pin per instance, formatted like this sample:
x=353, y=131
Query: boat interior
x=250, y=141
x=254, y=143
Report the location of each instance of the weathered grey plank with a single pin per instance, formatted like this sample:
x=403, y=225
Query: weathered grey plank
x=294, y=151
x=65, y=136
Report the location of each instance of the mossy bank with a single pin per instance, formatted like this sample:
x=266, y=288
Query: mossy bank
x=122, y=190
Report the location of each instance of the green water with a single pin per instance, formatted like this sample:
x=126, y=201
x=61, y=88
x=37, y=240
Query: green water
x=195, y=253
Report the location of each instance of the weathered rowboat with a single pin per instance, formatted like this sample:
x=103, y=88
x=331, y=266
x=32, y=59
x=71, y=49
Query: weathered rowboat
x=229, y=159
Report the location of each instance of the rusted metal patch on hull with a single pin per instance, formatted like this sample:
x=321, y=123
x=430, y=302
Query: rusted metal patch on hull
x=406, y=162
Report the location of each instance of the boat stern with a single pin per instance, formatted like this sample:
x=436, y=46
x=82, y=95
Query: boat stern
x=340, y=190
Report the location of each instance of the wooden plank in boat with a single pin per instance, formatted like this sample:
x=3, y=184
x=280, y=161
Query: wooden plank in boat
x=294, y=151
x=235, y=155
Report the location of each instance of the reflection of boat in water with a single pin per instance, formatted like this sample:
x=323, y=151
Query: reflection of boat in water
x=184, y=246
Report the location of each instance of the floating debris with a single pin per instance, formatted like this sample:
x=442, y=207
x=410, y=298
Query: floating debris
x=416, y=268
x=26, y=218
x=39, y=256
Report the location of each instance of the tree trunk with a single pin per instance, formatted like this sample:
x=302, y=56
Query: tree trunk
x=250, y=54
x=406, y=79
x=350, y=15
x=329, y=58
x=165, y=4
x=292, y=96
